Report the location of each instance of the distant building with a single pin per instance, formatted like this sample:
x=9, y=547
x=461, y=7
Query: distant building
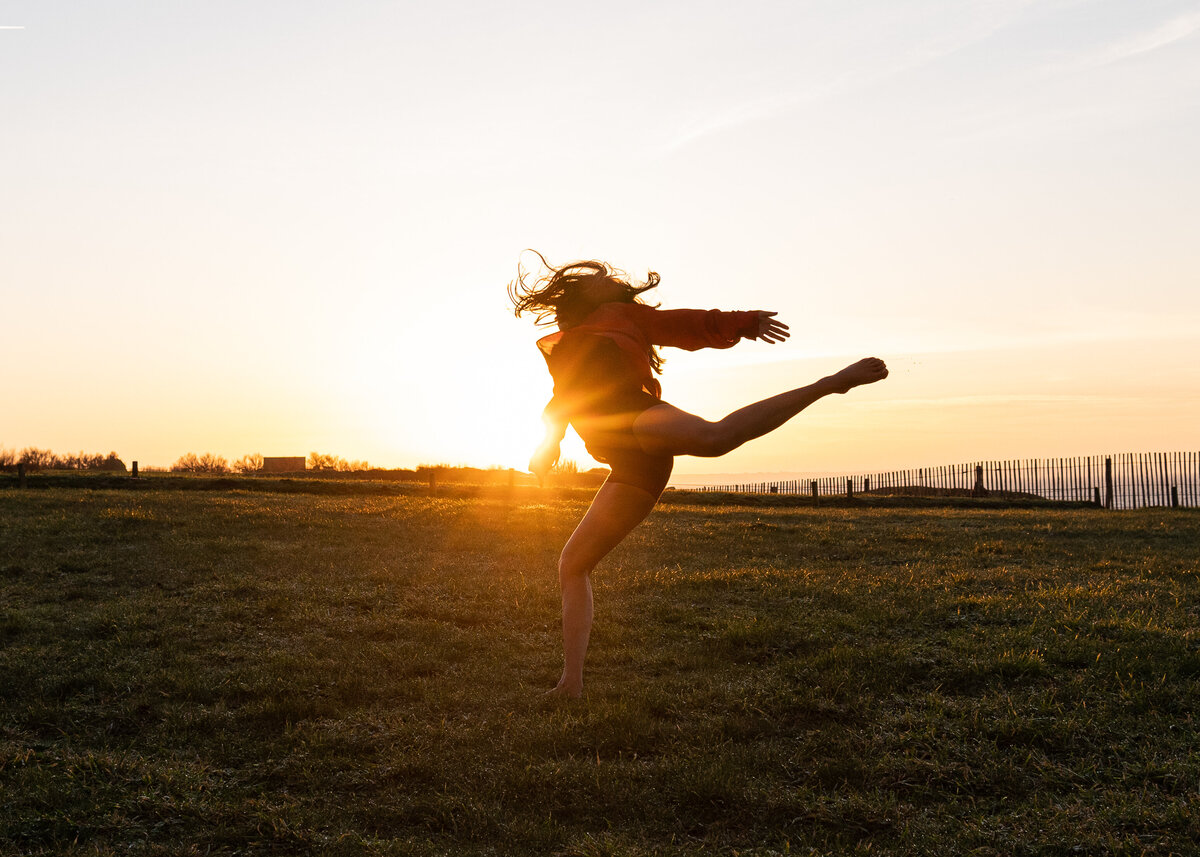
x=282, y=464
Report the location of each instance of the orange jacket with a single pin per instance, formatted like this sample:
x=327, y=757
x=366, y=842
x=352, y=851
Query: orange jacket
x=635, y=327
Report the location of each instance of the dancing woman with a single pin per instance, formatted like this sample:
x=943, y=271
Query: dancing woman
x=603, y=360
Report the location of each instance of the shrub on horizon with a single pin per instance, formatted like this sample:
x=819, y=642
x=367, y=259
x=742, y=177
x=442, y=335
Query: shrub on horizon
x=36, y=459
x=251, y=463
x=207, y=463
x=321, y=461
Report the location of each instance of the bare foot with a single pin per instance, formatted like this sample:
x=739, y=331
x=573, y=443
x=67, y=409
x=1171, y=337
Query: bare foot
x=865, y=371
x=563, y=691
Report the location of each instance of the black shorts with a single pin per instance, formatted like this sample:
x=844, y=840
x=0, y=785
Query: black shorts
x=605, y=396
x=639, y=469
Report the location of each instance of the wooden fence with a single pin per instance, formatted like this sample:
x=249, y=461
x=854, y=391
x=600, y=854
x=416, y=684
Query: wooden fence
x=1125, y=481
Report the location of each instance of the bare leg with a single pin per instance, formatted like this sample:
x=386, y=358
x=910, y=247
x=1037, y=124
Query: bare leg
x=616, y=510
x=666, y=430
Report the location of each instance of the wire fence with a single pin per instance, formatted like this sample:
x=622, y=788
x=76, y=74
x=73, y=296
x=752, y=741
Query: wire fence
x=1123, y=481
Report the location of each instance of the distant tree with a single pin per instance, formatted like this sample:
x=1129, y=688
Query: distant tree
x=188, y=463
x=7, y=458
x=251, y=463
x=89, y=461
x=210, y=463
x=111, y=463
x=565, y=465
x=321, y=461
x=207, y=463
x=36, y=459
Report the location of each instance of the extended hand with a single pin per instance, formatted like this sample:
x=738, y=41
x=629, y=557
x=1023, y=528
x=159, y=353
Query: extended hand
x=770, y=329
x=543, y=460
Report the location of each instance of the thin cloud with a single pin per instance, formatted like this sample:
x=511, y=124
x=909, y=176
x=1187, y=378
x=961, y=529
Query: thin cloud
x=1169, y=33
x=745, y=113
x=1139, y=45
x=769, y=106
x=1097, y=106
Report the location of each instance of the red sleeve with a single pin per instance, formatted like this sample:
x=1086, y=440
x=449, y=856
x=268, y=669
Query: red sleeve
x=691, y=329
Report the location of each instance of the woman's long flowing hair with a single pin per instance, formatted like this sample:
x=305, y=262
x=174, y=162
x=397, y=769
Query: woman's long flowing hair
x=556, y=297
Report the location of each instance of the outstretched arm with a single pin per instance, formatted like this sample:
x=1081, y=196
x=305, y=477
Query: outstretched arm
x=691, y=329
x=770, y=329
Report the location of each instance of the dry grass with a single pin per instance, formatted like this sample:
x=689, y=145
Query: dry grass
x=225, y=672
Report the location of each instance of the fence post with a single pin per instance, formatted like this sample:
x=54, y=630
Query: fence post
x=866, y=484
x=813, y=485
x=1108, y=483
x=979, y=490
x=432, y=480
x=1174, y=497
x=849, y=487
x=135, y=470
x=1096, y=496
x=21, y=474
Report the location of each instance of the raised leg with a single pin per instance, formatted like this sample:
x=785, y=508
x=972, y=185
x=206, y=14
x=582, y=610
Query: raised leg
x=666, y=430
x=616, y=509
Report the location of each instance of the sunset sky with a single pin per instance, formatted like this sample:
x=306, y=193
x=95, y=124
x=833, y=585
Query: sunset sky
x=285, y=227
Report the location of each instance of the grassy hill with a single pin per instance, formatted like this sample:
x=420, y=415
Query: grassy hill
x=228, y=671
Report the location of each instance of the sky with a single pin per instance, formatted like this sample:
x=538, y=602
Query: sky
x=280, y=228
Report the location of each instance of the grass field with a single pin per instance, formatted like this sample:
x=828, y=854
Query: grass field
x=229, y=672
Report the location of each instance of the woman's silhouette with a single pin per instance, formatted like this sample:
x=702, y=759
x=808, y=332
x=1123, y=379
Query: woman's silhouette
x=602, y=360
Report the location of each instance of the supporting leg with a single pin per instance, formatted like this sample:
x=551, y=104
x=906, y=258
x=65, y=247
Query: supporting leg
x=666, y=430
x=616, y=510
